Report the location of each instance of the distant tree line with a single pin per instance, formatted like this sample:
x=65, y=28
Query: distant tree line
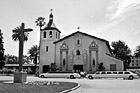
x=122, y=51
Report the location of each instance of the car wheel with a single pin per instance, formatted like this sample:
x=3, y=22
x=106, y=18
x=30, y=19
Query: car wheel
x=42, y=76
x=72, y=77
x=131, y=77
x=90, y=77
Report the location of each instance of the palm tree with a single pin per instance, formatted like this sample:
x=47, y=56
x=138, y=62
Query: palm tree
x=33, y=52
x=11, y=59
x=40, y=22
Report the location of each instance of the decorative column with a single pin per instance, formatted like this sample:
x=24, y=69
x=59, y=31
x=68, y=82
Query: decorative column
x=93, y=47
x=64, y=48
x=67, y=60
x=96, y=60
x=60, y=60
x=71, y=60
x=90, y=60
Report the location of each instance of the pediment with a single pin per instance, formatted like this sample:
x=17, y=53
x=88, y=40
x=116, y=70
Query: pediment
x=93, y=45
x=64, y=45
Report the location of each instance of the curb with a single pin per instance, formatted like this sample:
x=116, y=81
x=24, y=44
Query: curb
x=66, y=91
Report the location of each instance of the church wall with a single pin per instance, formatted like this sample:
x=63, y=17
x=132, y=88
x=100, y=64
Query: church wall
x=86, y=41
x=117, y=62
x=46, y=57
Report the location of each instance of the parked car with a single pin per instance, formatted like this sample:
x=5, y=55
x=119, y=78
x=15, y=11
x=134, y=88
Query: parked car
x=113, y=74
x=136, y=72
x=70, y=75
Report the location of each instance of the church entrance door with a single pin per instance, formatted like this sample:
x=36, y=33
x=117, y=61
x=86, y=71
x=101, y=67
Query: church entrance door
x=78, y=67
x=45, y=68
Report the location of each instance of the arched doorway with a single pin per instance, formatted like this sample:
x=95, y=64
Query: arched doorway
x=78, y=68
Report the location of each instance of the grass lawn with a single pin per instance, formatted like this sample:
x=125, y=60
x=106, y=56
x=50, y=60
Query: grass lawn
x=27, y=88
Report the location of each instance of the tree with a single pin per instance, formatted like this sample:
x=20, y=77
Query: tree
x=11, y=59
x=33, y=53
x=53, y=66
x=122, y=51
x=40, y=22
x=26, y=59
x=137, y=51
x=16, y=34
x=101, y=67
x=2, y=58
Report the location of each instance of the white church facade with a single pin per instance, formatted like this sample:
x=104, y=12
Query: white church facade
x=77, y=51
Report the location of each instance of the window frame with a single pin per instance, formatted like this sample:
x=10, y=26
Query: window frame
x=47, y=48
x=44, y=34
x=50, y=34
x=78, y=52
x=103, y=72
x=120, y=73
x=56, y=35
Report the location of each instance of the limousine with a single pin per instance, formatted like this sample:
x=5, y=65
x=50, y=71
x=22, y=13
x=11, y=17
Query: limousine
x=113, y=74
x=70, y=75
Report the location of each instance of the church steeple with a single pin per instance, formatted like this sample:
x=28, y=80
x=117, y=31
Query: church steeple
x=51, y=15
x=50, y=25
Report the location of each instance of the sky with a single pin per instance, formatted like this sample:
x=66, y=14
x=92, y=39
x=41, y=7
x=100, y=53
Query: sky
x=111, y=20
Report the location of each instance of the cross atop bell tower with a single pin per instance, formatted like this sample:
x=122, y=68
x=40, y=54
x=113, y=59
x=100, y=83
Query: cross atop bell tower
x=51, y=15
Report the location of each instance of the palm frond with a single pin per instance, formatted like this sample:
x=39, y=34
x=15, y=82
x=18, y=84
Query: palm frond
x=40, y=22
x=16, y=34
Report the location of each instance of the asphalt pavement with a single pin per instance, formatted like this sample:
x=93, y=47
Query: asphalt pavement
x=93, y=86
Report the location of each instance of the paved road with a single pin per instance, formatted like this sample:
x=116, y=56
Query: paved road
x=109, y=86
x=96, y=85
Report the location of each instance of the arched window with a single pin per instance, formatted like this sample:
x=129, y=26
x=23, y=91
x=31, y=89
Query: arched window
x=63, y=62
x=50, y=34
x=93, y=62
x=78, y=52
x=78, y=42
x=47, y=48
x=44, y=34
x=56, y=34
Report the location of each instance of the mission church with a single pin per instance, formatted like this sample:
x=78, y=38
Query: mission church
x=77, y=51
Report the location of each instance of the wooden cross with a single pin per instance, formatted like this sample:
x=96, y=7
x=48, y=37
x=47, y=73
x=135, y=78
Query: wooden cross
x=21, y=42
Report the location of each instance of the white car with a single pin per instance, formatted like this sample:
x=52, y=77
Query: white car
x=113, y=74
x=70, y=75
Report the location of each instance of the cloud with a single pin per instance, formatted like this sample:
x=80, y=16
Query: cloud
x=137, y=32
x=117, y=11
x=122, y=8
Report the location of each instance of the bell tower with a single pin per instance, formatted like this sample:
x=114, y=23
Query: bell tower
x=48, y=35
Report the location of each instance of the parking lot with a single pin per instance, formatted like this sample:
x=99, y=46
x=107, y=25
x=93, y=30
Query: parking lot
x=95, y=85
